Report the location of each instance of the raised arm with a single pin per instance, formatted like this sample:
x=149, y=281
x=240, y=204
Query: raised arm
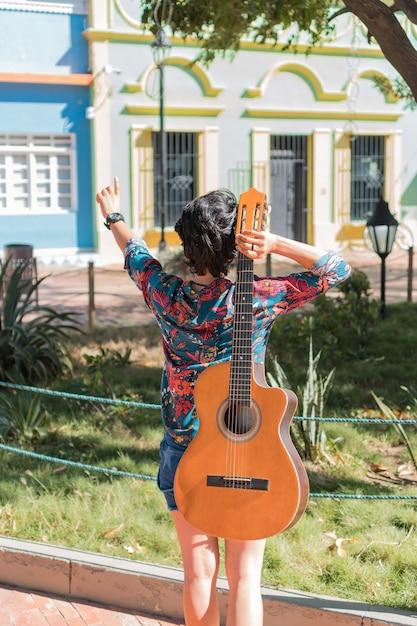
x=256, y=245
x=108, y=200
x=145, y=271
x=280, y=294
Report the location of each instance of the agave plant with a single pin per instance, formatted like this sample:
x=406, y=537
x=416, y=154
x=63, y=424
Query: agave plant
x=32, y=337
x=388, y=413
x=21, y=415
x=308, y=436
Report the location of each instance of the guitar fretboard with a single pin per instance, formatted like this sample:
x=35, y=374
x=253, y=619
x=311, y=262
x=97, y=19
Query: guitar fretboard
x=241, y=363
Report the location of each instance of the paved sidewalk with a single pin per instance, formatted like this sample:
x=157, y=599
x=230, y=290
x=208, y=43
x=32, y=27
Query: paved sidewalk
x=118, y=301
x=23, y=608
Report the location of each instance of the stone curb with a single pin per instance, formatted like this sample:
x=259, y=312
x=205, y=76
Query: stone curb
x=157, y=590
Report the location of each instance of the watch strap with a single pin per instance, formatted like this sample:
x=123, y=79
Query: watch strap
x=112, y=218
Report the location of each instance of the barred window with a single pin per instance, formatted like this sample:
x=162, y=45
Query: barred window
x=367, y=174
x=37, y=173
x=181, y=174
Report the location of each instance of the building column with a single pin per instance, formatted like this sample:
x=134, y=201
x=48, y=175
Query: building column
x=261, y=154
x=393, y=158
x=208, y=160
x=322, y=186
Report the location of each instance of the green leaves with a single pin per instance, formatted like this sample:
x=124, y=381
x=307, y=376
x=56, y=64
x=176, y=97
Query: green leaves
x=308, y=436
x=32, y=349
x=388, y=413
x=220, y=26
x=21, y=415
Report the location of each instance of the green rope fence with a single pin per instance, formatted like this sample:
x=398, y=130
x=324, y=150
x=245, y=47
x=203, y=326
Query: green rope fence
x=110, y=471
x=149, y=405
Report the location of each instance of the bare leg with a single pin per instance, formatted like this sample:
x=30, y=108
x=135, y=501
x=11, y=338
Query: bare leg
x=244, y=567
x=200, y=555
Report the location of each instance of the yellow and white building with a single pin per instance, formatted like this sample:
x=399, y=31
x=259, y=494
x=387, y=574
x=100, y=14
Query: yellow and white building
x=312, y=130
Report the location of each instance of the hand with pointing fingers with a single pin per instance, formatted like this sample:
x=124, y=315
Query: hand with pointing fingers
x=108, y=198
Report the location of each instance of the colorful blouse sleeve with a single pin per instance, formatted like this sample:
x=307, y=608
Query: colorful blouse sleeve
x=284, y=293
x=157, y=286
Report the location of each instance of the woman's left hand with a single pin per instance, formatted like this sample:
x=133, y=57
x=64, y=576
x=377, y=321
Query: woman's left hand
x=108, y=198
x=255, y=244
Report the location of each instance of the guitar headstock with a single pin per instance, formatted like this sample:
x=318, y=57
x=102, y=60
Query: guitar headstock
x=253, y=211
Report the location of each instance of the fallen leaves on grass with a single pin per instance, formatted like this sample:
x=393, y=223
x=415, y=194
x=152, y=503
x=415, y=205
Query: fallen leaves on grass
x=112, y=532
x=378, y=467
x=337, y=544
x=388, y=543
x=135, y=549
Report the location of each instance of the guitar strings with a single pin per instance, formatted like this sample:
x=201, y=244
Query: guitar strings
x=242, y=367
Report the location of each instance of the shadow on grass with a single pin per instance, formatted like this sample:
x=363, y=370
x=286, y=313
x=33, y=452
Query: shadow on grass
x=84, y=449
x=321, y=483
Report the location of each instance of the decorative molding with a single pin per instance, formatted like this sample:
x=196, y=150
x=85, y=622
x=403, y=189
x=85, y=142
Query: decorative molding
x=124, y=15
x=175, y=111
x=93, y=34
x=321, y=115
x=80, y=80
x=45, y=6
x=371, y=74
x=304, y=72
x=192, y=68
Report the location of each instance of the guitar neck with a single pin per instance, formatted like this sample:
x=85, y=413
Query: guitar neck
x=241, y=363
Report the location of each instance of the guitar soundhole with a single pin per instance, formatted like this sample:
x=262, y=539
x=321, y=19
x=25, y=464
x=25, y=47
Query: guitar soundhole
x=239, y=419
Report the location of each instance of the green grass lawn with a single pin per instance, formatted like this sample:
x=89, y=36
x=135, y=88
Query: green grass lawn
x=352, y=549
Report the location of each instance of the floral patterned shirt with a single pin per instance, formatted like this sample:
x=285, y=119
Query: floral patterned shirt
x=197, y=326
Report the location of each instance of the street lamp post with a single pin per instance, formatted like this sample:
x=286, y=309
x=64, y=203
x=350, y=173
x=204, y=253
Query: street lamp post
x=161, y=48
x=382, y=227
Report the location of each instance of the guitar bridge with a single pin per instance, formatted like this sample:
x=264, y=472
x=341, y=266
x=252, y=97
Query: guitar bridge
x=238, y=482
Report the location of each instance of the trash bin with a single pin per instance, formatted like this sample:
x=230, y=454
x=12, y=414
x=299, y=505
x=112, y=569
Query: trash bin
x=16, y=254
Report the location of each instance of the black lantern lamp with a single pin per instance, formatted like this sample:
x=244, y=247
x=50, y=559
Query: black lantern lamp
x=382, y=228
x=161, y=48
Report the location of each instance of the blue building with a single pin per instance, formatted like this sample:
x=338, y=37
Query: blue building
x=46, y=190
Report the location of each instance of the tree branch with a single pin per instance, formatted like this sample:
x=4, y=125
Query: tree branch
x=339, y=12
x=409, y=7
x=392, y=39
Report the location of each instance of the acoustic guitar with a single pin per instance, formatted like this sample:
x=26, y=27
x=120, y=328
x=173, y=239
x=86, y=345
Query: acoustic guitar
x=241, y=476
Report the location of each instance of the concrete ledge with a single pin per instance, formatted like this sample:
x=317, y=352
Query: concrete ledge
x=157, y=590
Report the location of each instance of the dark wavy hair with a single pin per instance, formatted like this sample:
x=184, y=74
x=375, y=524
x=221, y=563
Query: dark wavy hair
x=207, y=231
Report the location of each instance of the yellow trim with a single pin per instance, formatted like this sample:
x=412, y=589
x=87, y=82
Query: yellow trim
x=125, y=16
x=371, y=74
x=152, y=237
x=310, y=191
x=189, y=66
x=321, y=115
x=95, y=34
x=304, y=72
x=349, y=233
x=175, y=111
x=341, y=176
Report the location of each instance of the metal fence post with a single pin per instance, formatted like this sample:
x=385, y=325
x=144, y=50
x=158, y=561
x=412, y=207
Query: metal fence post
x=91, y=304
x=410, y=274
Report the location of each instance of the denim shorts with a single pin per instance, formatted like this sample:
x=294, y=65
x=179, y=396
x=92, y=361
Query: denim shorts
x=170, y=454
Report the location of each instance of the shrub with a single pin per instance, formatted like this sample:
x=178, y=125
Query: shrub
x=343, y=326
x=32, y=348
x=346, y=324
x=308, y=436
x=21, y=415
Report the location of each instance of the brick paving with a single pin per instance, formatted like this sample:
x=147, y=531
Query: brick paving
x=30, y=608
x=118, y=301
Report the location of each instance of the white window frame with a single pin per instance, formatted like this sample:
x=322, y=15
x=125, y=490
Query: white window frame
x=31, y=150
x=46, y=6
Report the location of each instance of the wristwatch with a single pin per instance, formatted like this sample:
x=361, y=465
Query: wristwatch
x=112, y=218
